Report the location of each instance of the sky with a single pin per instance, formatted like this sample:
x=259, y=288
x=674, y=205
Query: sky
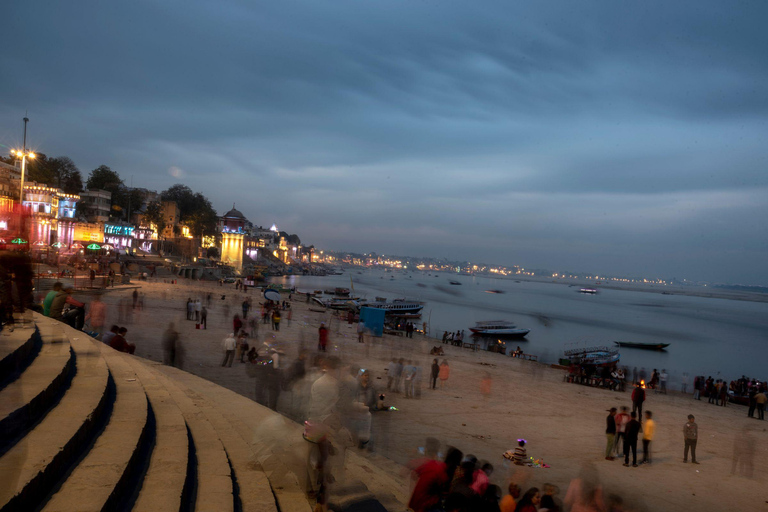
x=624, y=138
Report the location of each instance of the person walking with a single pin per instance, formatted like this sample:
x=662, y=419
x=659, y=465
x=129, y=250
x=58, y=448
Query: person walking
x=648, y=430
x=638, y=397
x=435, y=373
x=229, y=350
x=246, y=307
x=610, y=433
x=276, y=319
x=189, y=308
x=691, y=436
x=198, y=309
x=360, y=331
x=630, y=440
x=697, y=382
x=204, y=318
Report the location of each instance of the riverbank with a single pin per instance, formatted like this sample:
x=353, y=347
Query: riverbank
x=563, y=423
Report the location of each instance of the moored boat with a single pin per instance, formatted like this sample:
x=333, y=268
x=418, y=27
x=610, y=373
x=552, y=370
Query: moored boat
x=498, y=329
x=455, y=283
x=646, y=346
x=596, y=356
x=396, y=306
x=588, y=291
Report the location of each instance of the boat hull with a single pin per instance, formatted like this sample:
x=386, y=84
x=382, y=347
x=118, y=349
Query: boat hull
x=500, y=333
x=644, y=346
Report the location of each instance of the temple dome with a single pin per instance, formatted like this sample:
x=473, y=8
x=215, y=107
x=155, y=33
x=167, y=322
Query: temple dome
x=234, y=213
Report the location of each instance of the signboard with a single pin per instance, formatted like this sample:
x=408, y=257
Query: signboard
x=111, y=229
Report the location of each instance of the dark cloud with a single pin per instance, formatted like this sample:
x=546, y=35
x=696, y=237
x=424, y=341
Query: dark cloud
x=612, y=137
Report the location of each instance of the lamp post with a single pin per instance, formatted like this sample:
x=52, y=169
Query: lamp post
x=23, y=154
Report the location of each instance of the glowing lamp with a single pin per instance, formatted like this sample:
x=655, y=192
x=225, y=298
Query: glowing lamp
x=18, y=241
x=94, y=247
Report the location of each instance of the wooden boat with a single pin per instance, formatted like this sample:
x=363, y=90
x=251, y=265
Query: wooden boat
x=595, y=356
x=498, y=329
x=646, y=346
x=588, y=291
x=455, y=283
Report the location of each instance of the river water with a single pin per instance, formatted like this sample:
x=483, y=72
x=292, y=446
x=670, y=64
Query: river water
x=708, y=336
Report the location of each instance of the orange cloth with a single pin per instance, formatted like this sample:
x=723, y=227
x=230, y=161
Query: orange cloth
x=507, y=504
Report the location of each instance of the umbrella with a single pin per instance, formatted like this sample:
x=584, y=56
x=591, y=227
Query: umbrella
x=58, y=245
x=107, y=246
x=272, y=295
x=76, y=246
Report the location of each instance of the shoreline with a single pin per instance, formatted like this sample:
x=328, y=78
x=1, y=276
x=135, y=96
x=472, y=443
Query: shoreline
x=563, y=422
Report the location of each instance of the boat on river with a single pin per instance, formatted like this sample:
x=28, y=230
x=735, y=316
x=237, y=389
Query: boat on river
x=588, y=291
x=498, y=329
x=595, y=356
x=455, y=283
x=397, y=306
x=646, y=346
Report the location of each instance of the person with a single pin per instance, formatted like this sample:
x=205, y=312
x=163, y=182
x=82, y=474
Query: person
x=107, y=337
x=246, y=307
x=622, y=418
x=760, y=400
x=237, y=324
x=119, y=343
x=391, y=368
x=229, y=350
x=638, y=397
x=481, y=478
x=508, y=502
x=663, y=381
x=530, y=501
x=610, y=433
x=723, y=393
x=322, y=337
x=170, y=340
x=630, y=439
x=241, y=346
x=75, y=317
x=648, y=430
x=697, y=388
x=684, y=383
x=445, y=372
x=97, y=314
x=92, y=276
x=399, y=367
x=366, y=393
x=360, y=331
x=521, y=455
x=204, y=318
x=49, y=298
x=432, y=477
x=189, y=308
x=276, y=319
x=435, y=373
x=691, y=436
x=198, y=309
x=408, y=374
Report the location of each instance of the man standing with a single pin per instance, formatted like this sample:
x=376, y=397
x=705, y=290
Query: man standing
x=630, y=440
x=610, y=433
x=663, y=380
x=435, y=373
x=691, y=435
x=170, y=339
x=648, y=431
x=204, y=318
x=322, y=337
x=360, y=331
x=638, y=397
x=229, y=350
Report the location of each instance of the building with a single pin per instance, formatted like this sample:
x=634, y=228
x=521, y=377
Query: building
x=232, y=228
x=172, y=216
x=96, y=205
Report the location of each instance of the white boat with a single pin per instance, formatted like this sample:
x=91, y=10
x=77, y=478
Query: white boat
x=396, y=306
x=498, y=328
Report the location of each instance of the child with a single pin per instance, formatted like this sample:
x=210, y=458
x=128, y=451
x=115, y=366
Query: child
x=520, y=453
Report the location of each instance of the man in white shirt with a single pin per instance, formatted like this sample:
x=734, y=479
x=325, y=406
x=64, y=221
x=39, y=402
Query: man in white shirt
x=229, y=350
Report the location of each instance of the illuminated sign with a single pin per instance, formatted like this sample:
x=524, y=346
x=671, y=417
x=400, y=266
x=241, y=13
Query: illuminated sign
x=110, y=229
x=58, y=245
x=18, y=241
x=94, y=247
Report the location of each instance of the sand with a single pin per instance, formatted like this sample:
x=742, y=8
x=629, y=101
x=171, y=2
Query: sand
x=563, y=423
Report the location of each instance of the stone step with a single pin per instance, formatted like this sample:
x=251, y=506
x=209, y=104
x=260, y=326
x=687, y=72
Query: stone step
x=163, y=484
x=254, y=490
x=214, y=489
x=275, y=441
x=17, y=350
x=35, y=464
x=101, y=480
x=26, y=400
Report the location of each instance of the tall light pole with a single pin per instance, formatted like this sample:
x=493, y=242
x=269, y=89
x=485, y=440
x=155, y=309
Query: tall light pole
x=23, y=154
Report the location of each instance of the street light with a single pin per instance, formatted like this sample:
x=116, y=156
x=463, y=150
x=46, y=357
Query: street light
x=23, y=154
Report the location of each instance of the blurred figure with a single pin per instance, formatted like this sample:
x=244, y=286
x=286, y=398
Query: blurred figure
x=743, y=453
x=119, y=343
x=204, y=316
x=75, y=316
x=170, y=341
x=322, y=333
x=97, y=314
x=435, y=371
x=445, y=372
x=548, y=501
x=485, y=385
x=107, y=336
x=489, y=500
x=57, y=286
x=509, y=502
x=585, y=494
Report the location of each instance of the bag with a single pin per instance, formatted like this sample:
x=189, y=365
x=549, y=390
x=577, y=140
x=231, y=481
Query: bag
x=197, y=326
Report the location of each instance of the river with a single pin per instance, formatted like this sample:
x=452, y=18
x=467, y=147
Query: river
x=707, y=336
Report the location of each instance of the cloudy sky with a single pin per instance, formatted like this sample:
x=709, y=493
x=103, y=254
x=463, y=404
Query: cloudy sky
x=612, y=137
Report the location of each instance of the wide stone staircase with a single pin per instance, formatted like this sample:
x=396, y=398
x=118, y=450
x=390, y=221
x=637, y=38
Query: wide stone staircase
x=84, y=428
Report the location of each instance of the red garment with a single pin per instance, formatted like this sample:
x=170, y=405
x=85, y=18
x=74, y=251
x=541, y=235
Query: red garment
x=638, y=395
x=481, y=482
x=432, y=479
x=323, y=336
x=237, y=324
x=527, y=508
x=118, y=343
